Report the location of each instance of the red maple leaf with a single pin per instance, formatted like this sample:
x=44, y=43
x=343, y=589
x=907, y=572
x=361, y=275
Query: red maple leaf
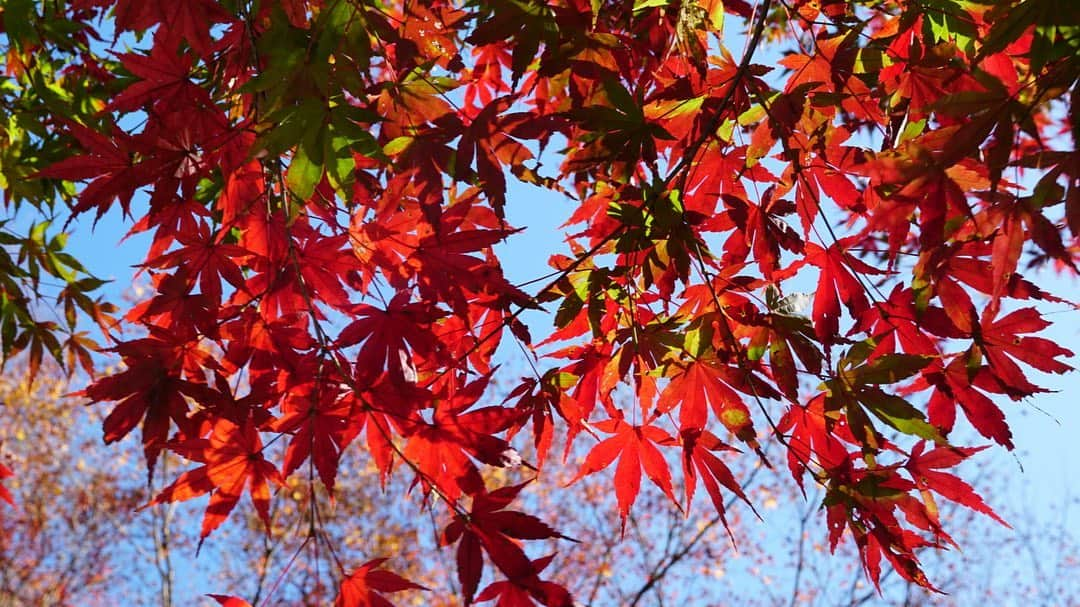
x=510, y=594
x=322, y=425
x=175, y=303
x=444, y=450
x=153, y=388
x=866, y=503
x=491, y=528
x=211, y=262
x=759, y=228
x=635, y=447
x=325, y=263
x=253, y=340
x=233, y=458
x=699, y=447
x=189, y=20
x=486, y=141
x=446, y=272
x=1002, y=343
x=837, y=277
x=705, y=383
x=384, y=245
x=365, y=586
x=926, y=471
x=109, y=163
x=163, y=77
x=390, y=338
x=813, y=437
x=955, y=385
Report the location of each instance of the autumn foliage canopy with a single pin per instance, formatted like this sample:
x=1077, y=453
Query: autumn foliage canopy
x=799, y=229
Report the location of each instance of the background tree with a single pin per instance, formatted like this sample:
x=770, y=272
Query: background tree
x=324, y=184
x=61, y=542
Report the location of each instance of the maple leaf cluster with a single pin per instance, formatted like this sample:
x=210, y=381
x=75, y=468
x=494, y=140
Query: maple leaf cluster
x=324, y=183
